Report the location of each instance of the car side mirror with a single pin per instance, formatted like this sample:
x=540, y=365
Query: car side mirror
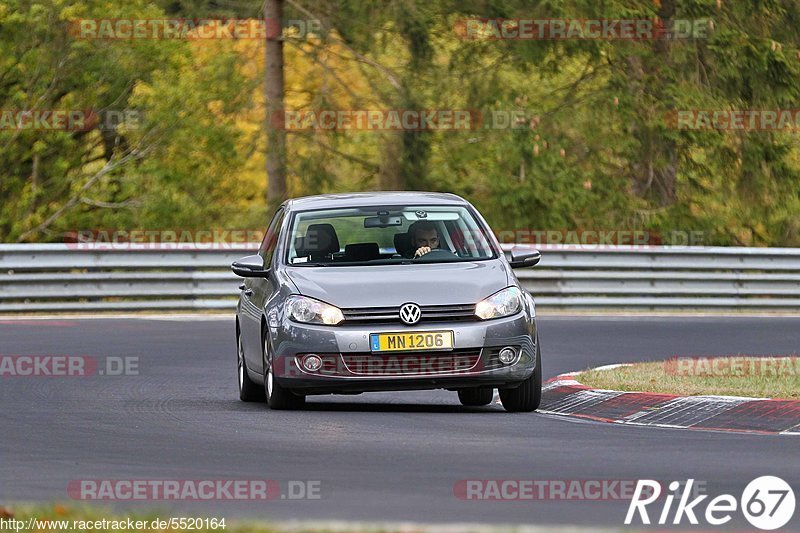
x=524, y=258
x=251, y=266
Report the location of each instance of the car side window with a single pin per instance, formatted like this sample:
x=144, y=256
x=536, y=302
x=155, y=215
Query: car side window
x=270, y=242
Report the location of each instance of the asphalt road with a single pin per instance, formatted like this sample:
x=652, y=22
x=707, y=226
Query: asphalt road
x=380, y=456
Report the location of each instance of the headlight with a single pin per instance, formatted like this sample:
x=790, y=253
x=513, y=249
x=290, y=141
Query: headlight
x=311, y=311
x=503, y=303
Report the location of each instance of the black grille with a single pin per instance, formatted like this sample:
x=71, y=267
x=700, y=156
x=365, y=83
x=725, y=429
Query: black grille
x=491, y=358
x=412, y=363
x=391, y=315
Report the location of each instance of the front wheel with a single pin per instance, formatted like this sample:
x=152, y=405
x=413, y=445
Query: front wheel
x=249, y=391
x=528, y=395
x=278, y=397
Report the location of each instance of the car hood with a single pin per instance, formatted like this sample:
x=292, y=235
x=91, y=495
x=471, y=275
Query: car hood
x=390, y=285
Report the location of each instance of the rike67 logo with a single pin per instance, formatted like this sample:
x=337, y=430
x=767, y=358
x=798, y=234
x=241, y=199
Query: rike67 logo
x=767, y=502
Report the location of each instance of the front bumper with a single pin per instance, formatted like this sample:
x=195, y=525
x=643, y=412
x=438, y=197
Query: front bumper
x=349, y=366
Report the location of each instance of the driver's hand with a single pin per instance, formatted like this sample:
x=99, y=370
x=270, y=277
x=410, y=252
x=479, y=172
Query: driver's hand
x=422, y=251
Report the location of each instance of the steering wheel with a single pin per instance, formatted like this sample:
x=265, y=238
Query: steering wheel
x=436, y=253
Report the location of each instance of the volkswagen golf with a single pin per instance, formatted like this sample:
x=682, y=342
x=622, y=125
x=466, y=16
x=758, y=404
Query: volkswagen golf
x=389, y=291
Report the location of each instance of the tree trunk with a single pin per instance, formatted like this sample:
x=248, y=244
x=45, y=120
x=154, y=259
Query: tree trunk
x=390, y=173
x=655, y=164
x=273, y=99
x=668, y=164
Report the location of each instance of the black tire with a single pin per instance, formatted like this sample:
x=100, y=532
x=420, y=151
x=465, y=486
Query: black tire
x=528, y=395
x=475, y=396
x=249, y=391
x=278, y=398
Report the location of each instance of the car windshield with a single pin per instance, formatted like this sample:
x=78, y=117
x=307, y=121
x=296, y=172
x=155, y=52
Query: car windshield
x=386, y=235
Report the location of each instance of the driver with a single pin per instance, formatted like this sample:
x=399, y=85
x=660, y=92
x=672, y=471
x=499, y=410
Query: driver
x=424, y=237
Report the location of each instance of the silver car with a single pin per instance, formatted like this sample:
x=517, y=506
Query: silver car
x=351, y=293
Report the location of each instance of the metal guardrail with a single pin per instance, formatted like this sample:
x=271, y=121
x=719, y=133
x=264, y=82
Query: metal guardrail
x=62, y=277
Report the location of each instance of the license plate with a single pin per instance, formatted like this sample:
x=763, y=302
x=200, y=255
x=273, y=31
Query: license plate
x=419, y=340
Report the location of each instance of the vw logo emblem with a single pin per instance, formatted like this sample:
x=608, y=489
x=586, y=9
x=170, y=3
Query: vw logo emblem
x=410, y=313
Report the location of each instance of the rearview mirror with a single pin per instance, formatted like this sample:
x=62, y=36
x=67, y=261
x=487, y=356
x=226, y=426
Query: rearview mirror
x=524, y=258
x=251, y=266
x=382, y=222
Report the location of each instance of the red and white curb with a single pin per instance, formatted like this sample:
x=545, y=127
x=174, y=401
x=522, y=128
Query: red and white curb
x=565, y=396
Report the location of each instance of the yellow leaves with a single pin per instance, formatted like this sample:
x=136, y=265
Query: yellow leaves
x=143, y=90
x=60, y=510
x=69, y=12
x=217, y=107
x=251, y=55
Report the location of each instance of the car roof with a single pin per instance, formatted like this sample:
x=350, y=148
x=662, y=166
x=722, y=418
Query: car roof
x=361, y=199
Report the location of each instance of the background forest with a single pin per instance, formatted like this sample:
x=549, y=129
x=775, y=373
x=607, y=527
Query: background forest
x=595, y=150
